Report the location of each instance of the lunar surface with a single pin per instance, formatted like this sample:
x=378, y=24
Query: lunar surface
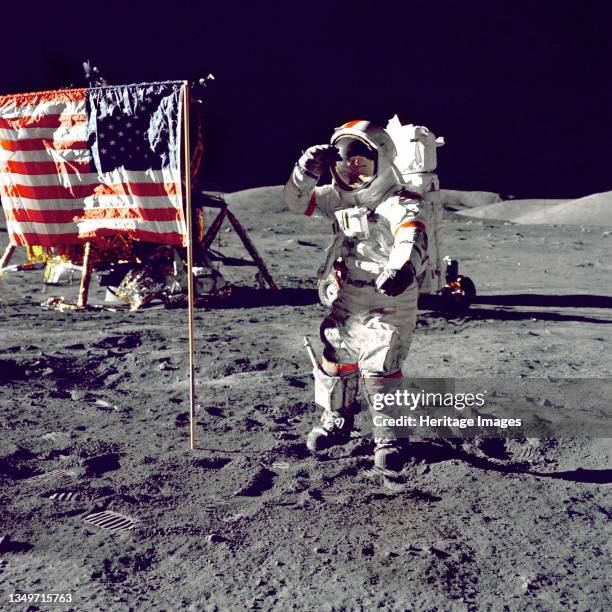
x=94, y=417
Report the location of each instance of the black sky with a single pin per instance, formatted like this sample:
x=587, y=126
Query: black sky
x=520, y=90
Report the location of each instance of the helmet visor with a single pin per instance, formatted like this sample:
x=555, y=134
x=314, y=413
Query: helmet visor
x=356, y=164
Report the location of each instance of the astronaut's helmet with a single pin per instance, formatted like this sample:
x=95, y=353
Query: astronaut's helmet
x=365, y=152
x=357, y=163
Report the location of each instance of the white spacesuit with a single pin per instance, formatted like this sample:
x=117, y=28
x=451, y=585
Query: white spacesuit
x=383, y=248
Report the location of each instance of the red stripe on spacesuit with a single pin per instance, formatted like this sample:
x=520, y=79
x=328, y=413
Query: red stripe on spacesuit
x=339, y=368
x=381, y=380
x=312, y=203
x=418, y=224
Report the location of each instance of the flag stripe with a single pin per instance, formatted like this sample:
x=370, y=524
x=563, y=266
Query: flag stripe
x=40, y=144
x=72, y=132
x=86, y=178
x=48, y=192
x=42, y=121
x=89, y=225
x=48, y=102
x=72, y=227
x=110, y=201
x=49, y=240
x=11, y=112
x=50, y=154
x=68, y=216
x=43, y=167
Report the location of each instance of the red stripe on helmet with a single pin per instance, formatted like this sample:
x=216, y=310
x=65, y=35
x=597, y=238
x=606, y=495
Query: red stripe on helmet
x=351, y=124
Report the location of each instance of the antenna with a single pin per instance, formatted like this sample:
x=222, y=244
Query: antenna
x=93, y=76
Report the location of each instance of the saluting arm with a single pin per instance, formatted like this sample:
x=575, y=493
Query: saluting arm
x=299, y=192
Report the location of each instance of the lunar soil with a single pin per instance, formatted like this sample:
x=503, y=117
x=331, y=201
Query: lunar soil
x=94, y=417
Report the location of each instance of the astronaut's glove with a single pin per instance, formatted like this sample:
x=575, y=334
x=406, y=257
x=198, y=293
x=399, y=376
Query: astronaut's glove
x=317, y=159
x=394, y=282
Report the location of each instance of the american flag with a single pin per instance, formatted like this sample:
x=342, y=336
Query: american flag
x=81, y=163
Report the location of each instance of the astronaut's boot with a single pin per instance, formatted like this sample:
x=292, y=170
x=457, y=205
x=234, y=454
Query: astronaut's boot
x=335, y=428
x=389, y=453
x=337, y=395
x=390, y=439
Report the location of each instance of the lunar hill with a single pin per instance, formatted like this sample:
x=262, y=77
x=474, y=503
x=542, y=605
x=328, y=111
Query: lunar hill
x=595, y=209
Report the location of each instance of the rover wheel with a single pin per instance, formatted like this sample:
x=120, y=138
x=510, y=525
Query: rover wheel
x=459, y=294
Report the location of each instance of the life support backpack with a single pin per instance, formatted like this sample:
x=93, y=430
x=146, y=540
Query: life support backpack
x=415, y=163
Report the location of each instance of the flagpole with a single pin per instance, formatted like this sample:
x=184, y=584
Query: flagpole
x=192, y=415
x=85, y=277
x=6, y=257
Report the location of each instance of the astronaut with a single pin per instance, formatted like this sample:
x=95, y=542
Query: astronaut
x=382, y=233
